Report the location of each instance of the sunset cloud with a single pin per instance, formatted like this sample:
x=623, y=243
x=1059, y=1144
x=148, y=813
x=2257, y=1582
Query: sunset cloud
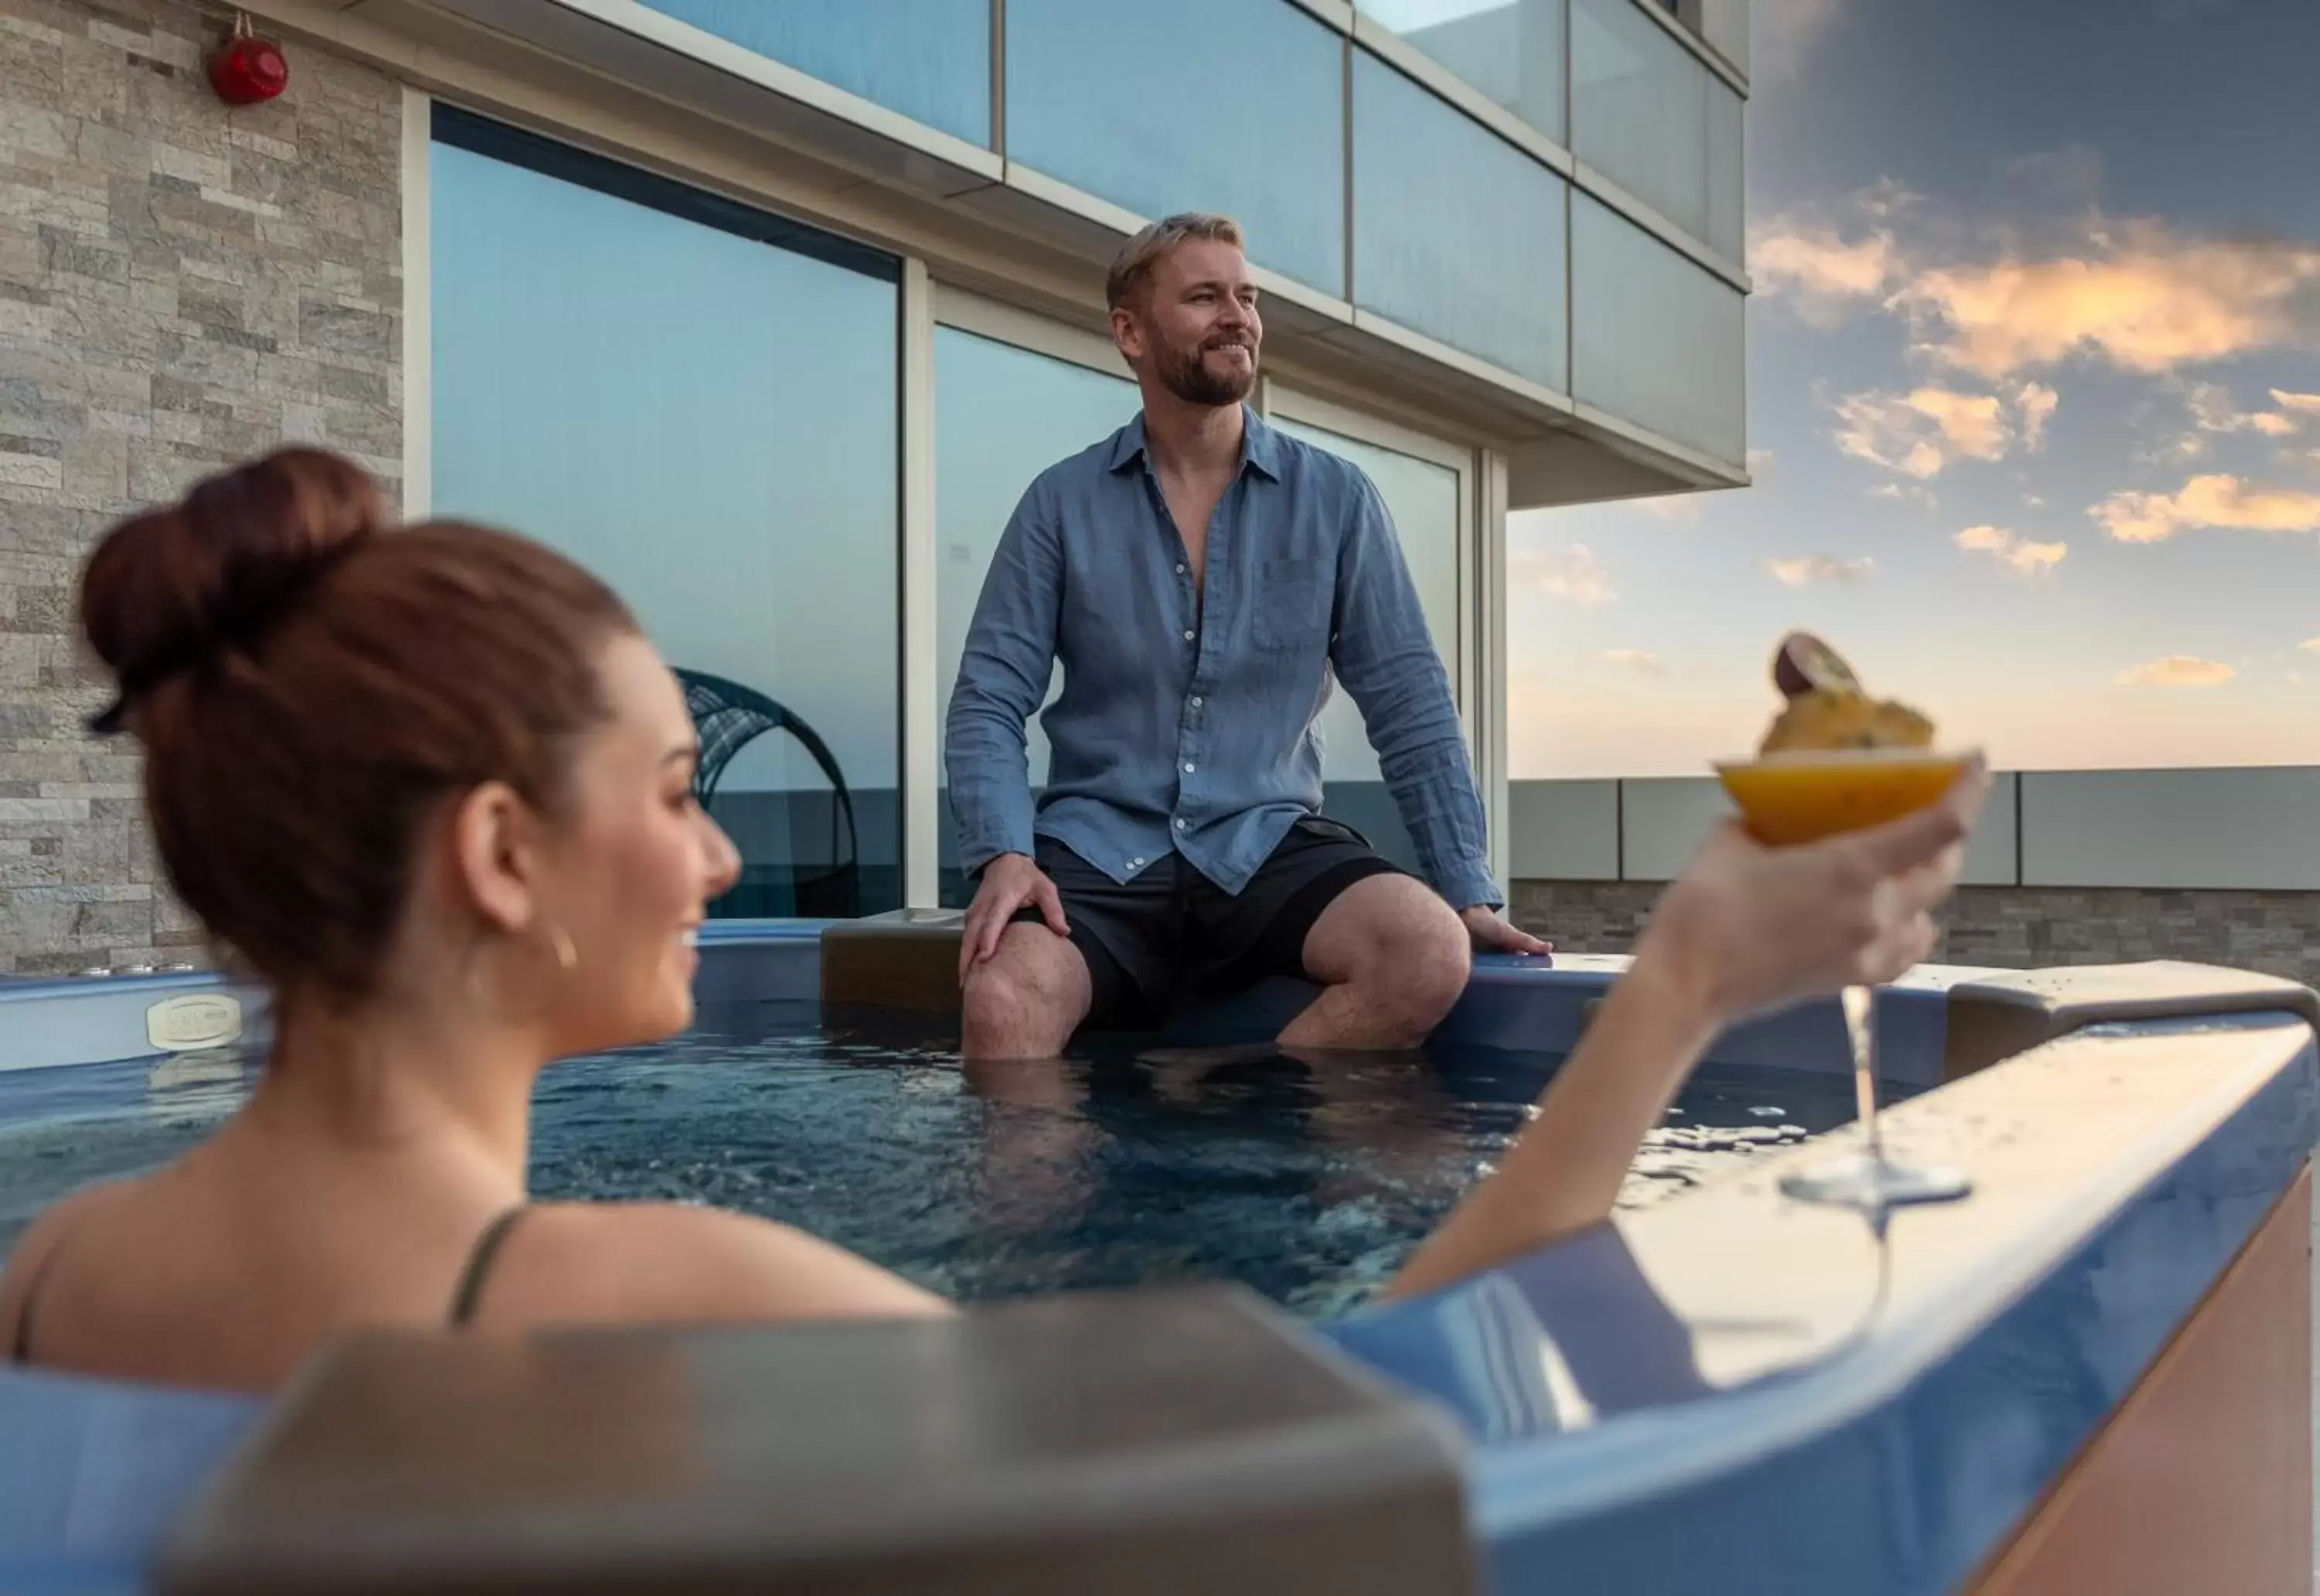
x=1572, y=575
x=2177, y=670
x=1642, y=661
x=2213, y=410
x=1908, y=491
x=2134, y=293
x=1971, y=424
x=1918, y=432
x=1819, y=274
x=2035, y=403
x=2216, y=500
x=1806, y=569
x=2012, y=550
x=2310, y=645
x=1999, y=299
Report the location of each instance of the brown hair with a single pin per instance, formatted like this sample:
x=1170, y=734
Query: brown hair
x=309, y=687
x=1132, y=268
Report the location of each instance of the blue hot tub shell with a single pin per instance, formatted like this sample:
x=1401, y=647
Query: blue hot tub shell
x=1725, y=1393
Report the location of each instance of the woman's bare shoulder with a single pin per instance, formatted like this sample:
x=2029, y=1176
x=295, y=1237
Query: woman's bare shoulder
x=630, y=1262
x=29, y=1258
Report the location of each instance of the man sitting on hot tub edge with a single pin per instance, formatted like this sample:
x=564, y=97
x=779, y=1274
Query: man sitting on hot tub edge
x=1202, y=578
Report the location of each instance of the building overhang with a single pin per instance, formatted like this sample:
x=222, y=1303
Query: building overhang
x=634, y=84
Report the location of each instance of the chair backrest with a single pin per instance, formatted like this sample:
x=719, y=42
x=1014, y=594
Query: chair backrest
x=93, y=1471
x=729, y=717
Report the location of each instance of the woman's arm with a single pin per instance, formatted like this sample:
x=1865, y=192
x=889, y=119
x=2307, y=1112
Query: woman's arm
x=1744, y=930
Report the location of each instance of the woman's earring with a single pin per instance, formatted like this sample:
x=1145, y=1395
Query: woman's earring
x=568, y=957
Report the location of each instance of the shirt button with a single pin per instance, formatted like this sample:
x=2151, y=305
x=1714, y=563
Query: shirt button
x=1180, y=822
x=1179, y=570
x=1196, y=701
x=1189, y=768
x=1188, y=637
x=1136, y=864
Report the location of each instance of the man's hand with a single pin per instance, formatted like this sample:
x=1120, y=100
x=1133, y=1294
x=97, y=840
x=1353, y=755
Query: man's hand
x=1009, y=882
x=1494, y=933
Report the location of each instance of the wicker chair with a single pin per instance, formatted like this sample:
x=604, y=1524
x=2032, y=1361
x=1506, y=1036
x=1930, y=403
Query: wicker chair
x=729, y=717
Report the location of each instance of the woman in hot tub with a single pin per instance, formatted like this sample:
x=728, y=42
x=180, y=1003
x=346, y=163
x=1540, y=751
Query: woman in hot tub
x=435, y=787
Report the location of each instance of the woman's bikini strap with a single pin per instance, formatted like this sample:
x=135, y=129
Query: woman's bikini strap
x=20, y=1347
x=470, y=1291
x=464, y=1300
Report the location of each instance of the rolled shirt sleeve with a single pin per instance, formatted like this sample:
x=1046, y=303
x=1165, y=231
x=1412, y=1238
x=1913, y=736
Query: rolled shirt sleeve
x=1385, y=657
x=1002, y=678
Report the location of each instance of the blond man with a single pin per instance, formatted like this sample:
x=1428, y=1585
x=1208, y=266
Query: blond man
x=1202, y=578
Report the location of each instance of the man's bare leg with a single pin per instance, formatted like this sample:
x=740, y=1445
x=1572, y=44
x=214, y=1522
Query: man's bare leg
x=1393, y=958
x=1025, y=1001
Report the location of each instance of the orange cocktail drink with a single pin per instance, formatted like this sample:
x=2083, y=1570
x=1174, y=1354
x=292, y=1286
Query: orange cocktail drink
x=1837, y=760
x=1805, y=794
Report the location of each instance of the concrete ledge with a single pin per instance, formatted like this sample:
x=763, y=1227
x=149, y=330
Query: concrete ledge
x=2223, y=830
x=1998, y=1016
x=1164, y=1442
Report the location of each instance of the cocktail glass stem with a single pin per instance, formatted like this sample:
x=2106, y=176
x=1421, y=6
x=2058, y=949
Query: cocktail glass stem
x=1868, y=1180
x=1859, y=1004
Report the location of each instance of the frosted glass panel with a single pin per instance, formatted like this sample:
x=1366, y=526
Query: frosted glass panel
x=1726, y=181
x=1422, y=497
x=1512, y=50
x=1658, y=339
x=929, y=60
x=1457, y=234
x=709, y=422
x=1639, y=109
x=1003, y=415
x=1230, y=105
x=1724, y=23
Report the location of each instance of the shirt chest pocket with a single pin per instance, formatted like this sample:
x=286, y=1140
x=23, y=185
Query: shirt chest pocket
x=1291, y=605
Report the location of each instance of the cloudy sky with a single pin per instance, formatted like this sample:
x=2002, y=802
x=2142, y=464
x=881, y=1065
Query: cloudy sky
x=2034, y=403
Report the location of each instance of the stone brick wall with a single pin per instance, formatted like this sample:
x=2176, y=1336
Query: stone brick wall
x=2013, y=927
x=181, y=284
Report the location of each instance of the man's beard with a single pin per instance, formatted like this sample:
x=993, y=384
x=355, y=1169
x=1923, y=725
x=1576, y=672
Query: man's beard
x=1187, y=375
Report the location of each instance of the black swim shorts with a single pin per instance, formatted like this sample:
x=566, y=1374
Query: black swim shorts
x=1171, y=936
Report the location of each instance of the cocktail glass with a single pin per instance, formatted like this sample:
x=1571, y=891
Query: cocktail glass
x=1804, y=796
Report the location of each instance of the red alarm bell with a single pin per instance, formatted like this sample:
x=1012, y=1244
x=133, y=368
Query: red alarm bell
x=246, y=69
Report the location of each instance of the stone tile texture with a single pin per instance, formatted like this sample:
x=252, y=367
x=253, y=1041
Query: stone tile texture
x=2012, y=926
x=182, y=284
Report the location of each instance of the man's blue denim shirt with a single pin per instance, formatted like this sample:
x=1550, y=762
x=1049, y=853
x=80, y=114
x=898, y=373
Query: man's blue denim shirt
x=1187, y=720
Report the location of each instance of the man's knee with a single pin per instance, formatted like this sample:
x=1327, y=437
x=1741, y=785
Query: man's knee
x=1034, y=989
x=1420, y=963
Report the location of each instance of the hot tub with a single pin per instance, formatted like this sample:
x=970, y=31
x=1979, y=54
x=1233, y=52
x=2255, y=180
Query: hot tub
x=2091, y=1374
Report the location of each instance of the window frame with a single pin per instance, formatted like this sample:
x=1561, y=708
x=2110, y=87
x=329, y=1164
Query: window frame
x=1279, y=400
x=430, y=120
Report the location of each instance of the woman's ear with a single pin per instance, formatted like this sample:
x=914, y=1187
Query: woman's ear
x=495, y=856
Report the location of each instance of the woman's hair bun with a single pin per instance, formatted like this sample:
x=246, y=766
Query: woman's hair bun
x=170, y=590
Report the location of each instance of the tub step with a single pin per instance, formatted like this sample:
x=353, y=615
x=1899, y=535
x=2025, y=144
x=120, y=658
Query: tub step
x=906, y=960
